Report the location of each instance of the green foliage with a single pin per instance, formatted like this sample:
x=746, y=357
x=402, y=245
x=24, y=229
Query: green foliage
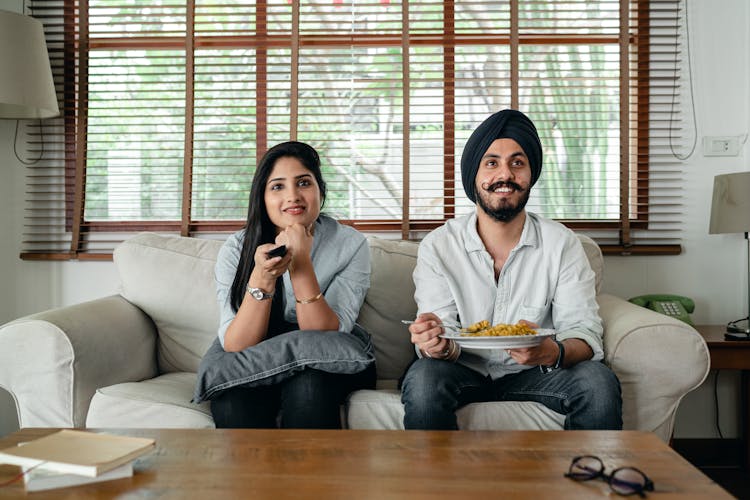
x=350, y=108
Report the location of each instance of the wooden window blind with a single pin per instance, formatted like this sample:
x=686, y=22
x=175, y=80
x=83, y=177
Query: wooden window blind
x=169, y=104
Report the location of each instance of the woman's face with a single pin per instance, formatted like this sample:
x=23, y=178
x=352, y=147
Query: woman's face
x=292, y=194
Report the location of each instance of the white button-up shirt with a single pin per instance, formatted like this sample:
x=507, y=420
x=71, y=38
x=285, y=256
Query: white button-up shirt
x=546, y=279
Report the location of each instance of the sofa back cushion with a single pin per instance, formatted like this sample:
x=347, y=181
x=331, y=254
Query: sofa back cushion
x=172, y=280
x=389, y=300
x=596, y=260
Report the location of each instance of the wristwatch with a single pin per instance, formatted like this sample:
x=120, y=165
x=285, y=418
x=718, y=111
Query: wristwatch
x=259, y=293
x=560, y=359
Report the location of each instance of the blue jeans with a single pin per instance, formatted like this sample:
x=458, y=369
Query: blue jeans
x=309, y=399
x=588, y=394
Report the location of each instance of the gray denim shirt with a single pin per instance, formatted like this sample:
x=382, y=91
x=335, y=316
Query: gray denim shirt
x=341, y=259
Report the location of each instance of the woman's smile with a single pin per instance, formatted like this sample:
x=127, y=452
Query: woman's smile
x=292, y=194
x=295, y=210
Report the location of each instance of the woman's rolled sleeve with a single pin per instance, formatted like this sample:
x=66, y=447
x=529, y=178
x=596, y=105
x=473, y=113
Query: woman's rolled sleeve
x=224, y=271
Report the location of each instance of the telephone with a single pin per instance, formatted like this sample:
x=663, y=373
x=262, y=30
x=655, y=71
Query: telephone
x=676, y=306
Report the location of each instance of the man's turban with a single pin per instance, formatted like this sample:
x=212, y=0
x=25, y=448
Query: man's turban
x=505, y=124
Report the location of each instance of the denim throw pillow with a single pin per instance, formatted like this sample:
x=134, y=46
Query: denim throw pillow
x=280, y=357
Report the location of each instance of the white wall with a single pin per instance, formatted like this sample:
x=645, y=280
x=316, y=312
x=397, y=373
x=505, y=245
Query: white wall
x=28, y=287
x=711, y=269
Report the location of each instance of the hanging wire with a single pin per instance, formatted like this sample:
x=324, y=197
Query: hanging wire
x=716, y=404
x=15, y=142
x=743, y=140
x=25, y=10
x=692, y=94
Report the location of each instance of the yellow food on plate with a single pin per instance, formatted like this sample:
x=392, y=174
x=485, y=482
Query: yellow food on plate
x=477, y=327
x=499, y=330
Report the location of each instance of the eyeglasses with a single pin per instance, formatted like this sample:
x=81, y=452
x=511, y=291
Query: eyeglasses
x=624, y=481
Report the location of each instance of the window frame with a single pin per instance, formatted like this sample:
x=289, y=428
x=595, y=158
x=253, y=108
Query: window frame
x=634, y=155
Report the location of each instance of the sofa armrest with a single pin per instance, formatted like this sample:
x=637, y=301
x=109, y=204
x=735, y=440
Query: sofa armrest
x=658, y=360
x=53, y=362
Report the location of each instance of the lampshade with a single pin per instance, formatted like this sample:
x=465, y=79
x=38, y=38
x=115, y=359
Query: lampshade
x=730, y=208
x=26, y=86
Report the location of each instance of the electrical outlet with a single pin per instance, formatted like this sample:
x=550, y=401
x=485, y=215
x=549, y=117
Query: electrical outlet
x=728, y=145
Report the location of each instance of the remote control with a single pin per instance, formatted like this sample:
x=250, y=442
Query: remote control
x=277, y=252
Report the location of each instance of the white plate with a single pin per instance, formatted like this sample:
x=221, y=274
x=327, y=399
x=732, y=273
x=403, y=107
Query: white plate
x=507, y=342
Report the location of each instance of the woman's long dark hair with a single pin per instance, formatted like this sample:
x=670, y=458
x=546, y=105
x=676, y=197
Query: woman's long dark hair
x=258, y=227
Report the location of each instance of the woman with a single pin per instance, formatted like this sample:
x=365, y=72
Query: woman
x=318, y=284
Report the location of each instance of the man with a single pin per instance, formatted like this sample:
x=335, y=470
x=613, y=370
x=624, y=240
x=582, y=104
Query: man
x=507, y=265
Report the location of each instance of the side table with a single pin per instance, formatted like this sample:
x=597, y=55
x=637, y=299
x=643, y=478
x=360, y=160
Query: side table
x=732, y=355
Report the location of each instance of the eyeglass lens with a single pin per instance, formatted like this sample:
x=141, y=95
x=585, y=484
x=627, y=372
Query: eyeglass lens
x=586, y=467
x=627, y=481
x=624, y=481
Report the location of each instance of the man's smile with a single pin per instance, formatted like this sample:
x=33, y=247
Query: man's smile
x=504, y=187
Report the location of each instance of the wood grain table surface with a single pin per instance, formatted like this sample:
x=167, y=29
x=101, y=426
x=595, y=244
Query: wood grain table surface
x=378, y=464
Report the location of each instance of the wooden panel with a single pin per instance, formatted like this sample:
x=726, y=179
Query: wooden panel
x=242, y=463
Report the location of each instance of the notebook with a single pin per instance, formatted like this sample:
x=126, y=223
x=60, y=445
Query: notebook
x=77, y=452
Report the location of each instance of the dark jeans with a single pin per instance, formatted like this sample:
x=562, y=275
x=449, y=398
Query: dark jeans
x=588, y=394
x=309, y=399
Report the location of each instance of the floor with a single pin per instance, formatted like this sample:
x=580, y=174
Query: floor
x=719, y=459
x=733, y=479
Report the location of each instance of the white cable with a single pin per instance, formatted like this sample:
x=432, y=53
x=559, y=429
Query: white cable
x=689, y=57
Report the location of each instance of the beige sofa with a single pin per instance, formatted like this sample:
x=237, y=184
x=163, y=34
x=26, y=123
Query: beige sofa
x=129, y=360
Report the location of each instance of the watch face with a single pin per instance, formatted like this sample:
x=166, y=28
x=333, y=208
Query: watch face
x=259, y=294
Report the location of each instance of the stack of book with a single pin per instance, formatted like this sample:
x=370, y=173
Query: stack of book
x=70, y=457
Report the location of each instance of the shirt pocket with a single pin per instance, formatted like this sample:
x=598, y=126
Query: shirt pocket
x=534, y=314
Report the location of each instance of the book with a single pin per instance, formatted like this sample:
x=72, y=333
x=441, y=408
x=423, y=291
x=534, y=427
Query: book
x=38, y=479
x=77, y=452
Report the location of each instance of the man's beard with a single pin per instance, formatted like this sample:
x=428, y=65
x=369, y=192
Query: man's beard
x=504, y=212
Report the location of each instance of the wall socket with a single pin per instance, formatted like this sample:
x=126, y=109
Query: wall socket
x=725, y=145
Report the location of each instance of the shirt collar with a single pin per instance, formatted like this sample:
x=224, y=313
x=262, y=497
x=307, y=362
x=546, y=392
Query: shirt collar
x=529, y=235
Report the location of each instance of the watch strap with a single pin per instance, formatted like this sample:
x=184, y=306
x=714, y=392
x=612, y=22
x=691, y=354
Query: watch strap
x=560, y=355
x=558, y=362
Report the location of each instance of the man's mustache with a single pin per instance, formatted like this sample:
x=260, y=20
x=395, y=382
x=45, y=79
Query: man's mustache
x=500, y=184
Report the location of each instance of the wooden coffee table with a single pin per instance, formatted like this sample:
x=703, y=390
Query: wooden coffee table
x=359, y=464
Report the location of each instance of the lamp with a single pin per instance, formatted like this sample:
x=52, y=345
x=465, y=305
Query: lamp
x=730, y=213
x=26, y=86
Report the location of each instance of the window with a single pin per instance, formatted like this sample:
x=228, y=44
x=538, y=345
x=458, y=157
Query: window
x=169, y=104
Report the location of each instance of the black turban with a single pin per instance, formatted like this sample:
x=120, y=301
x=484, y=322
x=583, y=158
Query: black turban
x=505, y=124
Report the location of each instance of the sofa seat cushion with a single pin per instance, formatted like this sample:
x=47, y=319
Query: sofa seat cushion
x=382, y=409
x=160, y=402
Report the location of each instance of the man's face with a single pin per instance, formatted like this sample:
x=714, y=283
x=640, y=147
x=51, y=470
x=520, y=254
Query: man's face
x=503, y=182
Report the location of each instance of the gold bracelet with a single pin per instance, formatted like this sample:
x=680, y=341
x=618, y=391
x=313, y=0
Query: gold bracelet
x=310, y=300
